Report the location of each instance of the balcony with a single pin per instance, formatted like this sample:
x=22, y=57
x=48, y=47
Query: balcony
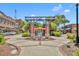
x=6, y=26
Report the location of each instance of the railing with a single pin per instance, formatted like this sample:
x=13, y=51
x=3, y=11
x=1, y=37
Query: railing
x=6, y=25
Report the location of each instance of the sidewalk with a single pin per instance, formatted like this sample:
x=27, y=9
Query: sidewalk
x=32, y=48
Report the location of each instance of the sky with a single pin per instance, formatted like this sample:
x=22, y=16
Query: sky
x=39, y=9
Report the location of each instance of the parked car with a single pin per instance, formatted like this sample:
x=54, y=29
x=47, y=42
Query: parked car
x=9, y=33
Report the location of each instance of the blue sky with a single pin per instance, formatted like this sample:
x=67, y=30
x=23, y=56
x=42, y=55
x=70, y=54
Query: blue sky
x=39, y=9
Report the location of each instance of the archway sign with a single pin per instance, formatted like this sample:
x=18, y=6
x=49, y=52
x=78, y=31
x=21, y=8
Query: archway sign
x=39, y=31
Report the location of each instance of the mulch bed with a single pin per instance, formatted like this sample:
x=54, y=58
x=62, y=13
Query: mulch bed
x=68, y=49
x=9, y=50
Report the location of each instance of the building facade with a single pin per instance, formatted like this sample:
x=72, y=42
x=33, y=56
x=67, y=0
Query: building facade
x=7, y=23
x=71, y=28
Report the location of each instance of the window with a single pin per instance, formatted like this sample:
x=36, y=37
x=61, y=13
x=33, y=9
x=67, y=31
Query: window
x=0, y=20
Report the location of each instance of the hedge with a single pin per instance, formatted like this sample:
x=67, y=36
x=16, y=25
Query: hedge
x=57, y=33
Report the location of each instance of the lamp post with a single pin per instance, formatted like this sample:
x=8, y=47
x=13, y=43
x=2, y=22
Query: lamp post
x=77, y=38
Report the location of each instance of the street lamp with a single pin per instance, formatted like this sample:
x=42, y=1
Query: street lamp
x=77, y=38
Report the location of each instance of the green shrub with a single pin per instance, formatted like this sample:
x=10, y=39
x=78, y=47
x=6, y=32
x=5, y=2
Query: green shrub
x=26, y=34
x=53, y=26
x=57, y=33
x=2, y=40
x=76, y=53
x=71, y=37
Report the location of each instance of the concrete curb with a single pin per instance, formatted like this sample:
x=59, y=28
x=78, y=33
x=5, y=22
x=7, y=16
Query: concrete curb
x=17, y=48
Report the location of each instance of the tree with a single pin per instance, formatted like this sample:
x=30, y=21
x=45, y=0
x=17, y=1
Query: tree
x=39, y=25
x=22, y=24
x=64, y=21
x=53, y=26
x=58, y=20
x=25, y=26
x=61, y=19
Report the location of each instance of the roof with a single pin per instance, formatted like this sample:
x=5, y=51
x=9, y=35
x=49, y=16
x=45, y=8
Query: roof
x=30, y=18
x=6, y=17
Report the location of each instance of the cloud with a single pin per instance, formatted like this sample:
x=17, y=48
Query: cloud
x=57, y=8
x=66, y=10
x=32, y=15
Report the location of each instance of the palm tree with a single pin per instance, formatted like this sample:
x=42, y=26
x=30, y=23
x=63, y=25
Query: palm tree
x=26, y=26
x=60, y=19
